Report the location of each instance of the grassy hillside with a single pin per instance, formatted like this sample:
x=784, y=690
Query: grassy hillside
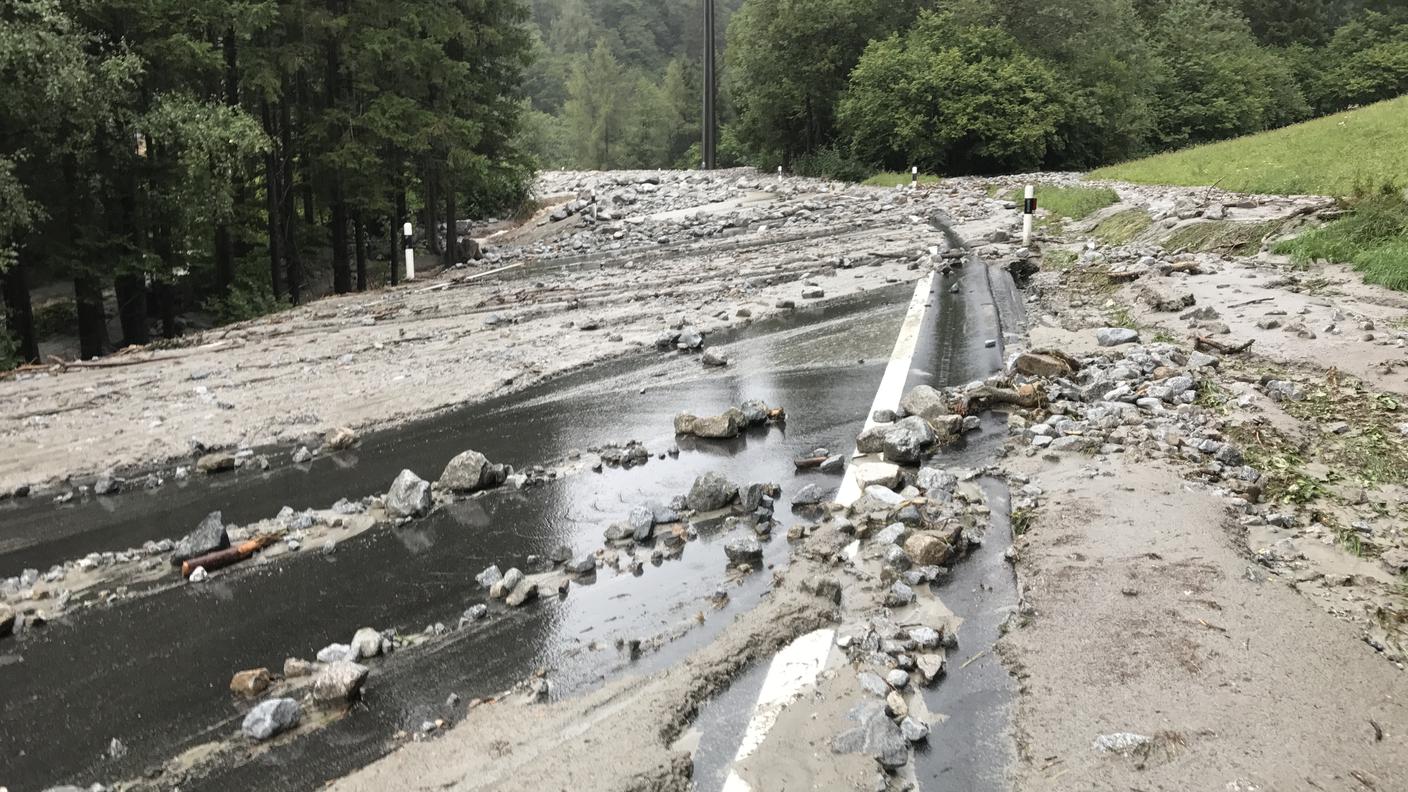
x=1357, y=150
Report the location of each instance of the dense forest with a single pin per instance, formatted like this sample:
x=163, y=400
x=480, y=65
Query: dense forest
x=161, y=160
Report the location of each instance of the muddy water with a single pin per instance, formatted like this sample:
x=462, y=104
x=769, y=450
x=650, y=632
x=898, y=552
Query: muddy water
x=512, y=429
x=152, y=671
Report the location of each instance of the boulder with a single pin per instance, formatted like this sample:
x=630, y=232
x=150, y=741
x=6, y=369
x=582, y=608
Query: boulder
x=642, y=523
x=1034, y=364
x=711, y=492
x=1116, y=336
x=208, y=537
x=504, y=587
x=884, y=474
x=270, y=718
x=925, y=402
x=333, y=653
x=874, y=735
x=724, y=426
x=340, y=681
x=471, y=471
x=251, y=683
x=409, y=496
x=216, y=462
x=744, y=549
x=489, y=576
x=582, y=565
x=809, y=495
x=339, y=439
x=366, y=643
x=522, y=593
x=906, y=440
x=927, y=550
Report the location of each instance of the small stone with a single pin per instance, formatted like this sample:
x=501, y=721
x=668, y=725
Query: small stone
x=897, y=679
x=270, y=718
x=337, y=652
x=250, y=683
x=521, y=594
x=339, y=681
x=489, y=577
x=409, y=496
x=217, y=462
x=743, y=549
x=366, y=643
x=199, y=575
x=294, y=668
x=208, y=537
x=914, y=730
x=339, y=439
x=1116, y=336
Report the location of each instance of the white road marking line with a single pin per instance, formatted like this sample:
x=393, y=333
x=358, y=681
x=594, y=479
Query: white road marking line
x=796, y=667
x=793, y=670
x=896, y=374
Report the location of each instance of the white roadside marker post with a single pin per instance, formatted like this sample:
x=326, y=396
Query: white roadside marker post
x=410, y=252
x=1028, y=212
x=914, y=177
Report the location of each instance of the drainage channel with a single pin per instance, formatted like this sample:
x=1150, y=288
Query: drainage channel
x=84, y=680
x=976, y=310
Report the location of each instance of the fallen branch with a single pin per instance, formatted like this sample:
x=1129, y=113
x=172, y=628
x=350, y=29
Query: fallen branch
x=984, y=398
x=1206, y=344
x=1251, y=302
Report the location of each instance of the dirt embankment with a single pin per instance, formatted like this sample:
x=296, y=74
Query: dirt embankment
x=1211, y=546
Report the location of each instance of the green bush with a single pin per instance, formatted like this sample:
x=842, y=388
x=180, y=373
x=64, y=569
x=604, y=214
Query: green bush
x=950, y=97
x=249, y=298
x=832, y=163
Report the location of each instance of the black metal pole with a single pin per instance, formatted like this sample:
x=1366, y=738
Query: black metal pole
x=711, y=130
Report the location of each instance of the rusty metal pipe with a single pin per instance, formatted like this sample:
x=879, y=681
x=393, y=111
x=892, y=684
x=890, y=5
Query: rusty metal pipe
x=228, y=557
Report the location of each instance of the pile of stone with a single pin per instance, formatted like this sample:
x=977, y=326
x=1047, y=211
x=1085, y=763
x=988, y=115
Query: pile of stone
x=925, y=420
x=1143, y=399
x=731, y=423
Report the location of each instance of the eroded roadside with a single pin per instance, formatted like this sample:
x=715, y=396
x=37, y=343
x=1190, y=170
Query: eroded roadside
x=1210, y=536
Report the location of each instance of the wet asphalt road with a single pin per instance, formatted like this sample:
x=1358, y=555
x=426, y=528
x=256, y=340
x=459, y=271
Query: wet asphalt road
x=153, y=670
x=71, y=688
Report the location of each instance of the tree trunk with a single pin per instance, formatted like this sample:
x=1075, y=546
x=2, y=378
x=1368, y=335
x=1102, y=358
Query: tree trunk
x=290, y=244
x=396, y=250
x=359, y=236
x=341, y=270
x=92, y=319
x=451, y=228
x=19, y=312
x=131, y=291
x=273, y=207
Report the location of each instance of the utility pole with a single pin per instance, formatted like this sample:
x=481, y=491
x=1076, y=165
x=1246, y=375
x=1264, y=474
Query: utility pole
x=711, y=128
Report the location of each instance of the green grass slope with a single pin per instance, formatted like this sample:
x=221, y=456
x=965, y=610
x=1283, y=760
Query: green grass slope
x=1340, y=154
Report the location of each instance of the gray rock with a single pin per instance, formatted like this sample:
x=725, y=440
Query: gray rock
x=199, y=575
x=642, y=523
x=924, y=637
x=905, y=441
x=489, y=576
x=302, y=455
x=471, y=471
x=1116, y=336
x=897, y=679
x=711, y=492
x=809, y=495
x=874, y=735
x=899, y=595
x=689, y=339
x=892, y=534
x=217, y=462
x=208, y=537
x=333, y=653
x=107, y=484
x=925, y=402
x=366, y=643
x=409, y=496
x=582, y=565
x=872, y=683
x=914, y=730
x=712, y=359
x=339, y=681
x=934, y=481
x=503, y=588
x=743, y=549
x=833, y=464
x=523, y=592
x=270, y=718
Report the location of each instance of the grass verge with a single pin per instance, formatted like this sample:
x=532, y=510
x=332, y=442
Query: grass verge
x=1074, y=203
x=1121, y=228
x=897, y=179
x=1333, y=155
x=1222, y=236
x=1372, y=238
